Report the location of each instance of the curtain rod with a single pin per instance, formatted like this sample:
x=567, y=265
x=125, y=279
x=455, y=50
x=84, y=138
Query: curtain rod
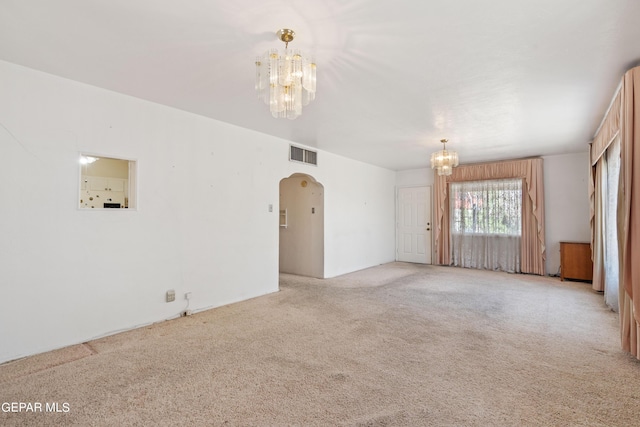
x=491, y=162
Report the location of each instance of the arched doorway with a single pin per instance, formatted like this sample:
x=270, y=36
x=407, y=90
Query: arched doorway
x=302, y=226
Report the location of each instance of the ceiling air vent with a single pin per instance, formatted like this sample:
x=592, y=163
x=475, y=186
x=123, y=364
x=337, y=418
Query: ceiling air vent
x=297, y=154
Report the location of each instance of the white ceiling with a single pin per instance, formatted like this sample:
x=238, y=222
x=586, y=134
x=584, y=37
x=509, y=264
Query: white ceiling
x=499, y=78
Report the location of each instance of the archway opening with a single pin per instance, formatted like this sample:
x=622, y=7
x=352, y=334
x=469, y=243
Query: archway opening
x=301, y=226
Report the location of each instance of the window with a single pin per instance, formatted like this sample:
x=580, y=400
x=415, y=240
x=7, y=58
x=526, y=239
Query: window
x=492, y=207
x=486, y=224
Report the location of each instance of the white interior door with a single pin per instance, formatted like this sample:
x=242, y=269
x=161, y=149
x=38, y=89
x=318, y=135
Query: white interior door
x=414, y=225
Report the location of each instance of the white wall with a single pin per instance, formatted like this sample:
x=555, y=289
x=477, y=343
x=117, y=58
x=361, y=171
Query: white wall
x=202, y=224
x=566, y=200
x=566, y=188
x=415, y=177
x=359, y=212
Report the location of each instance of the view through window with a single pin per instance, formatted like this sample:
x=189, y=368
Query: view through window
x=487, y=207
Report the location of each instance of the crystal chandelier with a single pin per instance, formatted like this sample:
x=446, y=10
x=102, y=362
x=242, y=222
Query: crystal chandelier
x=285, y=82
x=444, y=161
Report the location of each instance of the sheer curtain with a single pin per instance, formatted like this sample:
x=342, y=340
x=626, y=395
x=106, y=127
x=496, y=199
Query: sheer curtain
x=530, y=171
x=486, y=224
x=605, y=227
x=611, y=264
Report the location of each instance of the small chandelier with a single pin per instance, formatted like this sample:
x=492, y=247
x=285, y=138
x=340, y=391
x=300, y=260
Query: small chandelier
x=285, y=82
x=444, y=161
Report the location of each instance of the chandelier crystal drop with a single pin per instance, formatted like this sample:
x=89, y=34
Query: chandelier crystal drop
x=444, y=161
x=287, y=81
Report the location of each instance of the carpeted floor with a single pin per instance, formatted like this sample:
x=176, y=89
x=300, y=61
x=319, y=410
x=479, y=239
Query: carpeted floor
x=395, y=345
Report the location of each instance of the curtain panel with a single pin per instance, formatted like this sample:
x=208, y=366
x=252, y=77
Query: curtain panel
x=606, y=133
x=532, y=243
x=629, y=213
x=622, y=119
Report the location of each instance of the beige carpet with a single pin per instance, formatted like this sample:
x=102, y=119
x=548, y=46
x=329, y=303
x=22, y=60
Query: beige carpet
x=40, y=362
x=394, y=345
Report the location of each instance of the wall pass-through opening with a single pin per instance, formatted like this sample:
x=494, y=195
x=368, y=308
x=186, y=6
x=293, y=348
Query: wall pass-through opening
x=107, y=183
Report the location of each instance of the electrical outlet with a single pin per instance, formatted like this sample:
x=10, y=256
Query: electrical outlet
x=171, y=295
x=187, y=296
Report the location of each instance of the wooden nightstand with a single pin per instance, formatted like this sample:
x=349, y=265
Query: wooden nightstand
x=575, y=261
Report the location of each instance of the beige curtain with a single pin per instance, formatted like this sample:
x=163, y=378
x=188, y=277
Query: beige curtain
x=441, y=204
x=629, y=213
x=607, y=132
x=608, y=129
x=533, y=244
